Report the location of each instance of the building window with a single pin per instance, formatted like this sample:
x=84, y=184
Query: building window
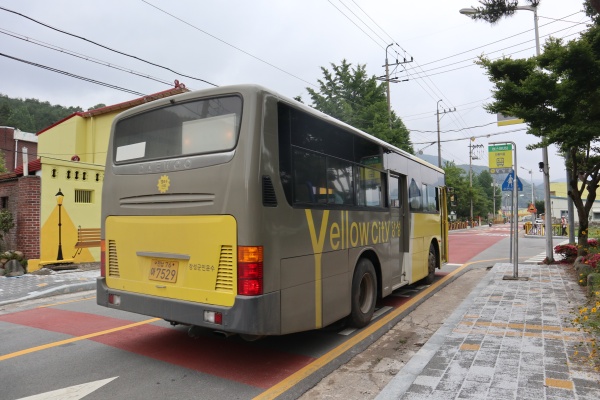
x=84, y=196
x=4, y=202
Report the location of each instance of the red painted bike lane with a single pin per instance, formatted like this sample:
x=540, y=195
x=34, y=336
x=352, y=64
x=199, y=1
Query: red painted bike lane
x=466, y=244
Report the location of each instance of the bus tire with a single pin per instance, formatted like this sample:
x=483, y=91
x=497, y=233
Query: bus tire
x=431, y=264
x=364, y=294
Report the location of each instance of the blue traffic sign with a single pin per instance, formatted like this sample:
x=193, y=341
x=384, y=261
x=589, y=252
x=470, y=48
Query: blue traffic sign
x=507, y=186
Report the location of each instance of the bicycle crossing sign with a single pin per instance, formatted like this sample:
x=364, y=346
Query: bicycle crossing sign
x=507, y=186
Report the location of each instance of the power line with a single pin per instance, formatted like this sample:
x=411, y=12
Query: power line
x=505, y=48
x=455, y=130
x=476, y=136
x=106, y=47
x=228, y=44
x=80, y=56
x=498, y=41
x=74, y=76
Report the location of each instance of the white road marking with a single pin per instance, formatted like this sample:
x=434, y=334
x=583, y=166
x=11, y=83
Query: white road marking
x=71, y=393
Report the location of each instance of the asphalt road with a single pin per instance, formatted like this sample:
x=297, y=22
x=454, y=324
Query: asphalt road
x=68, y=343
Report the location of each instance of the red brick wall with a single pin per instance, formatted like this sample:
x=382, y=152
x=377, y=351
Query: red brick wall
x=23, y=195
x=28, y=216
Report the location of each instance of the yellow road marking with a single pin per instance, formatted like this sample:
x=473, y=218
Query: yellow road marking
x=74, y=339
x=361, y=335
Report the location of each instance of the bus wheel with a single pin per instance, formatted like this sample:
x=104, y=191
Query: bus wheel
x=431, y=265
x=364, y=293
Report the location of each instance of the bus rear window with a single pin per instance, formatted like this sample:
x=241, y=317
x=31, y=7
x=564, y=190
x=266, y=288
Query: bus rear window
x=196, y=127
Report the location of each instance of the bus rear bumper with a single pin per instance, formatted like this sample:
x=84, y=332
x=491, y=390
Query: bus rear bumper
x=252, y=315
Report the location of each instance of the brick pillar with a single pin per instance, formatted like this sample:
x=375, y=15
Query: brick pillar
x=28, y=216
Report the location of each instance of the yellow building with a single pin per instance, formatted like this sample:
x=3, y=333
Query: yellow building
x=559, y=202
x=73, y=155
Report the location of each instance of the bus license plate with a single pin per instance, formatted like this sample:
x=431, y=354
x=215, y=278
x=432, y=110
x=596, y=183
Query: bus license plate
x=164, y=271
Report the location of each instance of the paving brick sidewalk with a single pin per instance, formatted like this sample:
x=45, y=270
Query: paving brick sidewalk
x=34, y=286
x=507, y=340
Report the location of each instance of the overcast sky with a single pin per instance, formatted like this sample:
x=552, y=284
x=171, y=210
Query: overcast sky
x=282, y=45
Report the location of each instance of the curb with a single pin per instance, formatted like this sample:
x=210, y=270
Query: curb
x=62, y=289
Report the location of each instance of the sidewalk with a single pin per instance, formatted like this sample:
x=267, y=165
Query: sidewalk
x=507, y=340
x=36, y=285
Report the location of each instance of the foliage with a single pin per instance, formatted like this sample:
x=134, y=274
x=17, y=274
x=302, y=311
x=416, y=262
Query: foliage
x=348, y=94
x=493, y=10
x=556, y=94
x=567, y=251
x=2, y=163
x=588, y=321
x=481, y=191
x=31, y=115
x=540, y=206
x=6, y=222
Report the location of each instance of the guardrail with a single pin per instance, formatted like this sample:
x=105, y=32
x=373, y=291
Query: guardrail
x=540, y=229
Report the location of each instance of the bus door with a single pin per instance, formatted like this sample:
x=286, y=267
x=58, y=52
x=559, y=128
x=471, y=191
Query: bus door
x=399, y=238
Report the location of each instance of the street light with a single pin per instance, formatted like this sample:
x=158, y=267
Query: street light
x=548, y=216
x=531, y=180
x=59, y=201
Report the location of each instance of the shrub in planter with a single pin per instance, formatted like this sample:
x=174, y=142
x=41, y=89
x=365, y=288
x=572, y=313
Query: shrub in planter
x=567, y=251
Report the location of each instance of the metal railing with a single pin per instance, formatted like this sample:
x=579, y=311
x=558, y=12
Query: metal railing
x=540, y=229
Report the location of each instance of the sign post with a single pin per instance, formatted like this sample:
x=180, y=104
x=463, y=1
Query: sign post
x=500, y=158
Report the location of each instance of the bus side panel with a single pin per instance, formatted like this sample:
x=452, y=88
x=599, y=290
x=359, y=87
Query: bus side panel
x=423, y=226
x=303, y=305
x=202, y=248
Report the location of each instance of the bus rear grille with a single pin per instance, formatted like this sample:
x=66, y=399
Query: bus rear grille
x=225, y=272
x=268, y=192
x=113, y=260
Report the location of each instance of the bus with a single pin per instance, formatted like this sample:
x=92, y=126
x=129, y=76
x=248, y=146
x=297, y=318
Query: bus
x=246, y=212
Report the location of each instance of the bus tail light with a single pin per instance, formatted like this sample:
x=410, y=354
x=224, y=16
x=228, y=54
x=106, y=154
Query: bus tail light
x=213, y=317
x=102, y=259
x=114, y=299
x=250, y=270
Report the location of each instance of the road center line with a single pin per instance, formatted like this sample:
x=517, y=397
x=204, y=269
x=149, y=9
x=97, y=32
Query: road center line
x=74, y=339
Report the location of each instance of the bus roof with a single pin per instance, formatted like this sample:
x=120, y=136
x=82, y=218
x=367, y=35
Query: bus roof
x=246, y=88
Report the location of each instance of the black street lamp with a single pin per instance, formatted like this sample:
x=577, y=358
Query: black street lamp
x=59, y=201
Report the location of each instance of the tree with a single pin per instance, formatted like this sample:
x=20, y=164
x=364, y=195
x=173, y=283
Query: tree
x=557, y=95
x=456, y=179
x=348, y=94
x=494, y=10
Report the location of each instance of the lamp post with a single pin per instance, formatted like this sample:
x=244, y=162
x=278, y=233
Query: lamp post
x=59, y=201
x=545, y=167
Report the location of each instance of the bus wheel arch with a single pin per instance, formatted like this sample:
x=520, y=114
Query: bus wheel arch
x=433, y=261
x=365, y=290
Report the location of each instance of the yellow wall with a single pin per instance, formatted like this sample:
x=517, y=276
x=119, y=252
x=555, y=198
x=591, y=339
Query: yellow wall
x=559, y=189
x=86, y=137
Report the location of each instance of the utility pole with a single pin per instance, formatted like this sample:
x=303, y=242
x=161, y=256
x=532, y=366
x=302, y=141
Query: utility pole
x=472, y=148
x=386, y=78
x=438, y=130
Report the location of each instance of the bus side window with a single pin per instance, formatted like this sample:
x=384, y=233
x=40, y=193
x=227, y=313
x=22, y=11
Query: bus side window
x=414, y=196
x=394, y=193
